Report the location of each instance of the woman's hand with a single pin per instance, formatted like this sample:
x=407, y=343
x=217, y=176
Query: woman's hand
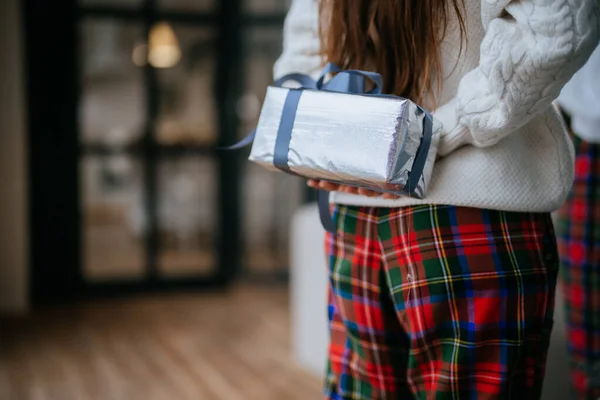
x=334, y=187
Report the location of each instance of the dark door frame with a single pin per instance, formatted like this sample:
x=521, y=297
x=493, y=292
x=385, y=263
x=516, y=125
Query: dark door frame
x=53, y=71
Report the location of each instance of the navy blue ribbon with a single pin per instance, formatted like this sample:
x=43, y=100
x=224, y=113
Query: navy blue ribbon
x=346, y=81
x=284, y=134
x=421, y=157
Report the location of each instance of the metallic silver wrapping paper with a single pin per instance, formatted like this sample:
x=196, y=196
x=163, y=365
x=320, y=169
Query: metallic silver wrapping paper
x=360, y=140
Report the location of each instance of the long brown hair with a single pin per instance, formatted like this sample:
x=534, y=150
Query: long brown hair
x=400, y=39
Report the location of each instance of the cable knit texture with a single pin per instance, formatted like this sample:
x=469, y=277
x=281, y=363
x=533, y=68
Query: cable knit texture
x=503, y=145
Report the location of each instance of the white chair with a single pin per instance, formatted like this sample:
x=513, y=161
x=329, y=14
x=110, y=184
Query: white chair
x=308, y=289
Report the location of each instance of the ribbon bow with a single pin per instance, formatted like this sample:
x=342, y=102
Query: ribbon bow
x=346, y=81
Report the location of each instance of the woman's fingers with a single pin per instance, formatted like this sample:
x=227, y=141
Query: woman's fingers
x=349, y=189
x=324, y=185
x=328, y=186
x=368, y=193
x=313, y=183
x=331, y=187
x=317, y=184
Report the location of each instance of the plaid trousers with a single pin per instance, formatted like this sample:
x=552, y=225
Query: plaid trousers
x=578, y=229
x=439, y=302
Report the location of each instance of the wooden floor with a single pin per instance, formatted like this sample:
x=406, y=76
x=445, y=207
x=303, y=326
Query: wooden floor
x=231, y=346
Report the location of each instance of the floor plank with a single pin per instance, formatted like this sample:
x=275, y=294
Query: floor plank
x=233, y=346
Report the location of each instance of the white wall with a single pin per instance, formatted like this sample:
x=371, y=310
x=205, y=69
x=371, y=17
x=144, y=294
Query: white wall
x=13, y=173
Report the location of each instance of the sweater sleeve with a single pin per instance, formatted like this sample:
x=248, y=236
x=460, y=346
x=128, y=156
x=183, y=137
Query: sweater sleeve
x=530, y=50
x=301, y=45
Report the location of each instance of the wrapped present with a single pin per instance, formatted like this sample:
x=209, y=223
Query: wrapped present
x=338, y=132
x=381, y=143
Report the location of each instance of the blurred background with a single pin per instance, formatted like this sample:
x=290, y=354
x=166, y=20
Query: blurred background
x=136, y=261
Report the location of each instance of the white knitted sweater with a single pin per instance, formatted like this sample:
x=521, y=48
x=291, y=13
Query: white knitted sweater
x=503, y=144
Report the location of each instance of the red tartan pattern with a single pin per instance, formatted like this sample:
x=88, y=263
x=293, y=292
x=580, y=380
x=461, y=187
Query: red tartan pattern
x=578, y=231
x=433, y=302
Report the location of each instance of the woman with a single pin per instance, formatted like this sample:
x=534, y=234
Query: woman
x=579, y=231
x=451, y=296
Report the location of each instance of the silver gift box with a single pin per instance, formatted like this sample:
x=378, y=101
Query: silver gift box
x=360, y=140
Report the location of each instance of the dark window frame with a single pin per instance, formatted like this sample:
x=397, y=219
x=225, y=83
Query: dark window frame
x=52, y=47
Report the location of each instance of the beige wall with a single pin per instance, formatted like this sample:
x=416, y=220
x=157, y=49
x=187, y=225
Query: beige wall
x=13, y=174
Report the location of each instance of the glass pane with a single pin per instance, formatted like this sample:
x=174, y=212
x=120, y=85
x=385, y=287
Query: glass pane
x=187, y=5
x=112, y=107
x=260, y=6
x=111, y=3
x=270, y=198
x=188, y=110
x=264, y=46
x=187, y=215
x=113, y=218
